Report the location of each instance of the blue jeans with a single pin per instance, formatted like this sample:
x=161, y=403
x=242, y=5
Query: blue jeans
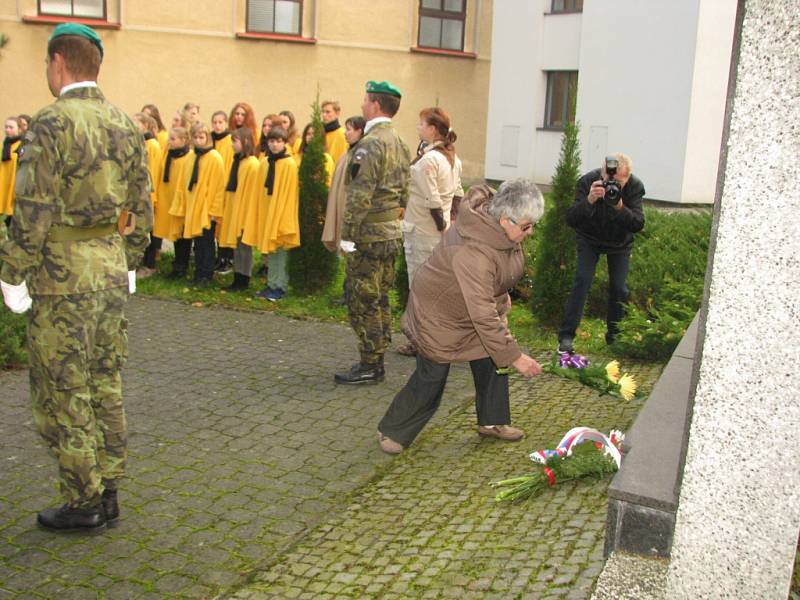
x=618, y=264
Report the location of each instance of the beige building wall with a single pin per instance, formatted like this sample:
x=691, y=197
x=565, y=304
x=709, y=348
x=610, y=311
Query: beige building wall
x=176, y=51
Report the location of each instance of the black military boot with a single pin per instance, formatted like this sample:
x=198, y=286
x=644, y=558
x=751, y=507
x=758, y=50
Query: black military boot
x=110, y=507
x=90, y=520
x=362, y=373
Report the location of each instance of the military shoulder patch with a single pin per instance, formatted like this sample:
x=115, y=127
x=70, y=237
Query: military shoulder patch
x=355, y=164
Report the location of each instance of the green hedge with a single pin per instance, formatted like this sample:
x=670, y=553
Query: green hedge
x=12, y=338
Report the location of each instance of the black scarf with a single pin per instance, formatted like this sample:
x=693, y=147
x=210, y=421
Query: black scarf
x=7, y=143
x=332, y=126
x=262, y=144
x=218, y=136
x=233, y=178
x=148, y=135
x=196, y=167
x=173, y=153
x=272, y=159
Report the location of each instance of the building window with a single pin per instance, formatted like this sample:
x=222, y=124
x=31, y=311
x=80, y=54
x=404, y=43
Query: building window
x=82, y=9
x=560, y=106
x=441, y=24
x=566, y=6
x=274, y=16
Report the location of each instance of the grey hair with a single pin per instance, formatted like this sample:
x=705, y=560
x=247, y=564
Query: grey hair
x=519, y=200
x=624, y=161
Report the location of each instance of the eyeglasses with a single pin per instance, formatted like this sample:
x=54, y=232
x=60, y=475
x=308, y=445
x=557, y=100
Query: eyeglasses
x=524, y=228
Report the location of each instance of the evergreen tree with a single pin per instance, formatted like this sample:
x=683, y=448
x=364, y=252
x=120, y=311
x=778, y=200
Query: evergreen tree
x=555, y=252
x=312, y=267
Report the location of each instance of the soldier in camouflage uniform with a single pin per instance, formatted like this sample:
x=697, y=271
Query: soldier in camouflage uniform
x=82, y=172
x=377, y=192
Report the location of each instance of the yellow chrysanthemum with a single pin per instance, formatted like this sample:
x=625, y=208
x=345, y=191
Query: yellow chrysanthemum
x=627, y=386
x=612, y=371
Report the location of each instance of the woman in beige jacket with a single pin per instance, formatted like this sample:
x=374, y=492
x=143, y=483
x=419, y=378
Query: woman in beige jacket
x=457, y=312
x=435, y=181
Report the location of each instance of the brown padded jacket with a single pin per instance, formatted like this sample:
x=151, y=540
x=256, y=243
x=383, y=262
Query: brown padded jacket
x=458, y=305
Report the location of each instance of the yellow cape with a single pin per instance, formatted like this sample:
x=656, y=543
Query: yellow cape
x=335, y=144
x=166, y=225
x=8, y=176
x=248, y=192
x=153, y=165
x=204, y=200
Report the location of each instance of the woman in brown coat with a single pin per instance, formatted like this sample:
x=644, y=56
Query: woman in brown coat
x=457, y=312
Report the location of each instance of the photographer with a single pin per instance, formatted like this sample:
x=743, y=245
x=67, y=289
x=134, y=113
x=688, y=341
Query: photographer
x=606, y=213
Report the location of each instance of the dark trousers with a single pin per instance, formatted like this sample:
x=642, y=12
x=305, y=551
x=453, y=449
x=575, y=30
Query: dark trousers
x=416, y=403
x=183, y=250
x=204, y=254
x=149, y=259
x=618, y=264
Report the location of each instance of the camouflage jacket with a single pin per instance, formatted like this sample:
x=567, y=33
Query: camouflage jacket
x=376, y=186
x=81, y=164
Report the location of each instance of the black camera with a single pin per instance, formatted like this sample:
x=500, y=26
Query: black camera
x=611, y=185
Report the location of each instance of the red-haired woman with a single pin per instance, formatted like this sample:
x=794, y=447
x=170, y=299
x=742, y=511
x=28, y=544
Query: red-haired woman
x=435, y=181
x=242, y=115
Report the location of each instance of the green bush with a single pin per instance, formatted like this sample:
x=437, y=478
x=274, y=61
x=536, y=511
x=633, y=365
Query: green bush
x=312, y=267
x=555, y=265
x=673, y=247
x=12, y=339
x=401, y=279
x=654, y=332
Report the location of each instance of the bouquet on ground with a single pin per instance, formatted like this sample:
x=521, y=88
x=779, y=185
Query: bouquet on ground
x=572, y=459
x=606, y=378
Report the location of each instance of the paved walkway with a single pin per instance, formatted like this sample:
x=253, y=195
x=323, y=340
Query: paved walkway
x=252, y=475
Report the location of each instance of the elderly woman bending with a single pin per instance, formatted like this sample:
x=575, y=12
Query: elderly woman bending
x=457, y=312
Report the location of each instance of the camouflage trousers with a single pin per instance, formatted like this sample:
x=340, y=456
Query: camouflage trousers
x=370, y=275
x=77, y=346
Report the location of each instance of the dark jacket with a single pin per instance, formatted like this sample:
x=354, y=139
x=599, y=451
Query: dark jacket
x=603, y=226
x=457, y=309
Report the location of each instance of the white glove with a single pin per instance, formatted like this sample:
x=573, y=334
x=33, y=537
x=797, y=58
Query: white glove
x=16, y=297
x=347, y=247
x=131, y=282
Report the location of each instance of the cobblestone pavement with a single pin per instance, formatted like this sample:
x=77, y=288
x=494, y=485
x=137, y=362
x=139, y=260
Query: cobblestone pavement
x=253, y=475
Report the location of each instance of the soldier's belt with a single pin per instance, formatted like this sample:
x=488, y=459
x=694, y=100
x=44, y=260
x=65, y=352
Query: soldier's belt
x=383, y=216
x=66, y=233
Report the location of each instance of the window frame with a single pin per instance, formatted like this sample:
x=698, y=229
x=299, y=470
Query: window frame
x=572, y=8
x=566, y=110
x=72, y=15
x=258, y=32
x=442, y=14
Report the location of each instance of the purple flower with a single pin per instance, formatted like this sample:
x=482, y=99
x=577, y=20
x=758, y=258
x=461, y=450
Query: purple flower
x=572, y=361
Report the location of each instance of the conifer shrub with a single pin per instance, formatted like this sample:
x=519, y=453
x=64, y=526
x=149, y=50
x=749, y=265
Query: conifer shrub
x=554, y=267
x=312, y=267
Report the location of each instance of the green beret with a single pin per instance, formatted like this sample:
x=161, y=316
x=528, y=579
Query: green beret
x=382, y=87
x=78, y=29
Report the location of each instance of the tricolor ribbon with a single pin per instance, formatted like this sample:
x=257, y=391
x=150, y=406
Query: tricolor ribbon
x=551, y=477
x=608, y=443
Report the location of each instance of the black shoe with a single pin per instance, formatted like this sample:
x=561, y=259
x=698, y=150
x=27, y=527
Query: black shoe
x=240, y=282
x=68, y=520
x=176, y=274
x=610, y=338
x=223, y=266
x=361, y=373
x=565, y=345
x=110, y=507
